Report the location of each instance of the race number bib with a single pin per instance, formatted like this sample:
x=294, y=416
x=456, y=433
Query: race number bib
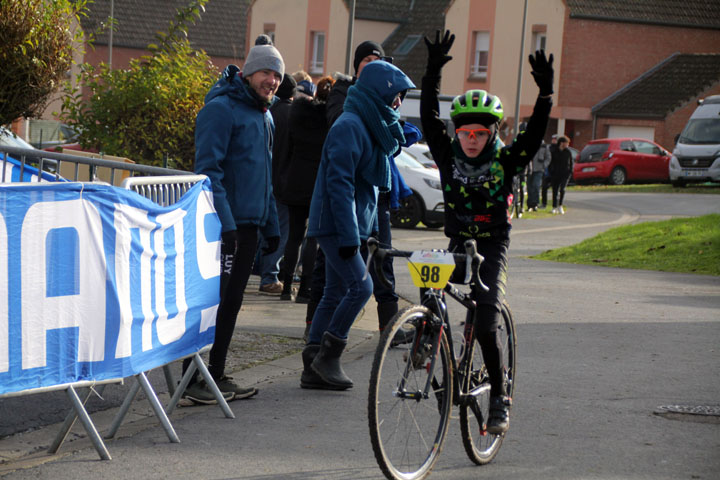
x=431, y=269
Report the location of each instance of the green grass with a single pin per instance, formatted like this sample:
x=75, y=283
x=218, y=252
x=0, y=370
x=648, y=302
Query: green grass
x=687, y=245
x=649, y=188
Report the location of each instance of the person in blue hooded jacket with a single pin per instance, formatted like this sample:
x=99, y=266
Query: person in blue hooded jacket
x=233, y=147
x=343, y=212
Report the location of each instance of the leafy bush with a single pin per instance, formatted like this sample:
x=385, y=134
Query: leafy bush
x=147, y=111
x=36, y=50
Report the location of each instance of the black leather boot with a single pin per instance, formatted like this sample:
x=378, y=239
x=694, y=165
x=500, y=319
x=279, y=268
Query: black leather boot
x=386, y=311
x=327, y=362
x=310, y=379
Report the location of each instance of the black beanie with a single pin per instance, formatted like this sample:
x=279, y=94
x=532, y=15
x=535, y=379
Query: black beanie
x=366, y=48
x=286, y=89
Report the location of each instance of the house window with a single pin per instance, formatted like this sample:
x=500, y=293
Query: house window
x=480, y=52
x=269, y=30
x=406, y=45
x=539, y=41
x=317, y=64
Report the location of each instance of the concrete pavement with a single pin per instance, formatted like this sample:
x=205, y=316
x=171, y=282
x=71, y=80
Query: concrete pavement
x=260, y=314
x=286, y=432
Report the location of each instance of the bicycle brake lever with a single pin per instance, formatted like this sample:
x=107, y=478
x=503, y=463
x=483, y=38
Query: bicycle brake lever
x=474, y=258
x=378, y=256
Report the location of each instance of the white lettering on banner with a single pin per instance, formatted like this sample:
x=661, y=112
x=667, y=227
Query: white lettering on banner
x=84, y=309
x=208, y=253
x=169, y=330
x=4, y=313
x=125, y=215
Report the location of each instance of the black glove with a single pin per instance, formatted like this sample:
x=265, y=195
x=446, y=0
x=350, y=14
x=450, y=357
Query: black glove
x=438, y=52
x=347, y=252
x=542, y=72
x=271, y=245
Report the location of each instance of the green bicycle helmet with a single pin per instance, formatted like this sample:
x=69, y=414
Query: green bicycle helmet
x=476, y=106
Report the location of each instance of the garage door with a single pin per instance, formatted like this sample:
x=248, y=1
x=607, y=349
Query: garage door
x=618, y=131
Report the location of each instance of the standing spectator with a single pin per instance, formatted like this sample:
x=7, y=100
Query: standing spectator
x=386, y=298
x=546, y=177
x=296, y=180
x=233, y=133
x=269, y=264
x=561, y=167
x=476, y=172
x=301, y=75
x=539, y=163
x=343, y=211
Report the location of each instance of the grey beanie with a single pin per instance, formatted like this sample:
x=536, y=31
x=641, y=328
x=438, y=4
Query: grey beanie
x=263, y=57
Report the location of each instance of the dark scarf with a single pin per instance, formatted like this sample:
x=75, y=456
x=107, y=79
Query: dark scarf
x=383, y=124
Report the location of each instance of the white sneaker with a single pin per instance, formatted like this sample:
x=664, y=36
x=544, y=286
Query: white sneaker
x=560, y=210
x=554, y=211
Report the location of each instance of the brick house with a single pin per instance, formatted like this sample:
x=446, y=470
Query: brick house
x=633, y=67
x=606, y=51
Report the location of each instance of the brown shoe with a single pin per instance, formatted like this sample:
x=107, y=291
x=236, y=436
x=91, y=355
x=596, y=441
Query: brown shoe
x=272, y=288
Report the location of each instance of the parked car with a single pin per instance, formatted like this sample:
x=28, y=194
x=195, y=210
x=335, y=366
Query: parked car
x=696, y=157
x=421, y=153
x=622, y=160
x=426, y=203
x=10, y=167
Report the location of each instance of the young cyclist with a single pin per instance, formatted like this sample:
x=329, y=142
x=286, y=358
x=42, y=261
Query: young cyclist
x=476, y=172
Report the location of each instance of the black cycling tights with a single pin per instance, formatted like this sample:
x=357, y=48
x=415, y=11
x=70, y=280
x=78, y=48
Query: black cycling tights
x=487, y=319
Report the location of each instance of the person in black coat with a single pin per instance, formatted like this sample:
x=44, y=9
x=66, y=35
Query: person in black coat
x=269, y=263
x=561, y=167
x=296, y=179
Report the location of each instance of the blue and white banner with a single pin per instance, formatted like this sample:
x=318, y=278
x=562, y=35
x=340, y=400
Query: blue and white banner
x=13, y=171
x=98, y=282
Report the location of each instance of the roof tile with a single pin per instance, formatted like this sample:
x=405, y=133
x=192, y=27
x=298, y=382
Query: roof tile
x=667, y=86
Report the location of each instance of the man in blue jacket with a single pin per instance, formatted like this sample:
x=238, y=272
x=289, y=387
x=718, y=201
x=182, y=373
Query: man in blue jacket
x=343, y=212
x=233, y=147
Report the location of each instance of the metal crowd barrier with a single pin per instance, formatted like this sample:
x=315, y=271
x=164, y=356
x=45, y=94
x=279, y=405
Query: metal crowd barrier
x=161, y=185
x=78, y=168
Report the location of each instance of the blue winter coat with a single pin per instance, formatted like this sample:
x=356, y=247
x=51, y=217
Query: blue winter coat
x=344, y=204
x=233, y=147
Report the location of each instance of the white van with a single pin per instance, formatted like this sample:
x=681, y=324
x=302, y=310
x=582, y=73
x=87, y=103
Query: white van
x=696, y=157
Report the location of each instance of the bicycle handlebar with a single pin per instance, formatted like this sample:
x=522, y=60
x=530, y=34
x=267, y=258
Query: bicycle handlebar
x=472, y=258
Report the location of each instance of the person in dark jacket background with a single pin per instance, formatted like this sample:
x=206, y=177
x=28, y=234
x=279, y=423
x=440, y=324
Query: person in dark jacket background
x=269, y=263
x=561, y=167
x=385, y=297
x=233, y=138
x=308, y=129
x=343, y=212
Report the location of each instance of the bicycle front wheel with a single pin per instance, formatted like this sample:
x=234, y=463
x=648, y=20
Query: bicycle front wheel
x=480, y=445
x=410, y=395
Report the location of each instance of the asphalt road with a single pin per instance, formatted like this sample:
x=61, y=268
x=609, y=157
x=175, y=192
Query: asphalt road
x=600, y=351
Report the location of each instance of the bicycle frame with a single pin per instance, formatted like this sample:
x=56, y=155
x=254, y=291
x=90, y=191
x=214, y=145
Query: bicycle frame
x=434, y=300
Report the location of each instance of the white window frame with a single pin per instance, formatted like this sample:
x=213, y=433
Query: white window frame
x=539, y=41
x=317, y=64
x=478, y=70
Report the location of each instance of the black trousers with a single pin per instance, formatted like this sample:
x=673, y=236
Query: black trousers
x=236, y=264
x=493, y=273
x=297, y=227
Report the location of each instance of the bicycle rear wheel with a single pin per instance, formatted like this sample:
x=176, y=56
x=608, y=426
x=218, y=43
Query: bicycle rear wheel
x=480, y=445
x=410, y=396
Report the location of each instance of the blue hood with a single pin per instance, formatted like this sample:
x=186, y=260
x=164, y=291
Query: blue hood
x=385, y=79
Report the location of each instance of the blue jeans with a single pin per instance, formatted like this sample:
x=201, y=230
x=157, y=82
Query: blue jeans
x=269, y=265
x=534, y=186
x=345, y=293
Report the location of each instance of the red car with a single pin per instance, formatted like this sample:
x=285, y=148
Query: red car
x=622, y=160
